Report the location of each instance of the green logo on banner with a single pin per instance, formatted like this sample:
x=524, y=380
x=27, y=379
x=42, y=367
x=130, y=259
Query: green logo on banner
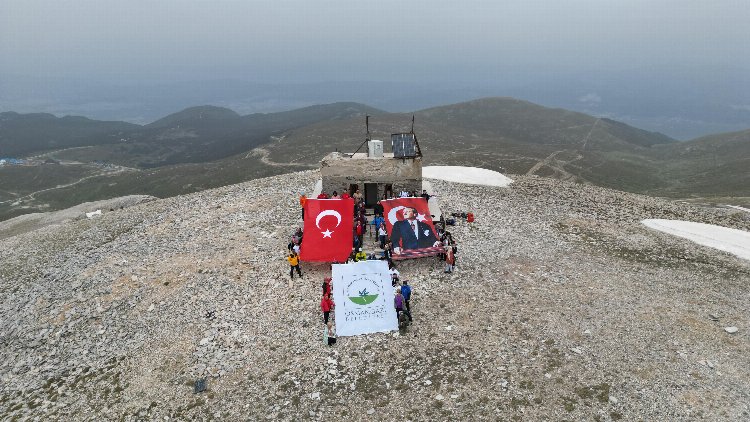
x=364, y=298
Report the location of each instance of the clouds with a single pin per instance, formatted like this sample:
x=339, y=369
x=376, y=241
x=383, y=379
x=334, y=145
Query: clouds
x=332, y=39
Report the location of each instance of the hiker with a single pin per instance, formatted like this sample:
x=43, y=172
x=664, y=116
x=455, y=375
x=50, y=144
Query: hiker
x=293, y=259
x=355, y=242
x=359, y=230
x=398, y=303
x=449, y=259
x=302, y=203
x=378, y=221
x=382, y=234
x=406, y=293
x=329, y=334
x=378, y=208
x=388, y=253
x=326, y=305
x=326, y=286
x=360, y=256
x=357, y=196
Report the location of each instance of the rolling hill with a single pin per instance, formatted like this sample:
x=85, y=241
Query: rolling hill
x=205, y=147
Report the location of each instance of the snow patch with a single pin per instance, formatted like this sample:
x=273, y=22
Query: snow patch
x=470, y=175
x=736, y=242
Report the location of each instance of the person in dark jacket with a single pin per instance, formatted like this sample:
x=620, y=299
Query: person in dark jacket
x=406, y=294
x=378, y=209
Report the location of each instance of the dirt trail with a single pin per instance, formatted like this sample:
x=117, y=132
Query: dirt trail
x=264, y=158
x=30, y=196
x=556, y=165
x=588, y=135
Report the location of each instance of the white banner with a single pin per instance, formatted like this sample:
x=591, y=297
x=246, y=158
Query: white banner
x=364, y=298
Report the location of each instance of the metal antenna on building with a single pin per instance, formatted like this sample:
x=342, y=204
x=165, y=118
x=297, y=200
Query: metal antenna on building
x=416, y=143
x=367, y=137
x=367, y=126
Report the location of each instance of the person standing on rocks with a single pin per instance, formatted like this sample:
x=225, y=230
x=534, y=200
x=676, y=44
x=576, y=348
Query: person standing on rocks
x=326, y=305
x=382, y=234
x=450, y=259
x=329, y=334
x=398, y=303
x=378, y=208
x=326, y=286
x=406, y=294
x=302, y=202
x=360, y=230
x=293, y=260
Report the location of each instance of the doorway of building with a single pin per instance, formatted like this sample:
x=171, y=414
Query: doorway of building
x=353, y=188
x=371, y=194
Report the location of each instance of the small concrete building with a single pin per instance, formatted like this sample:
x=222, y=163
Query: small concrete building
x=375, y=173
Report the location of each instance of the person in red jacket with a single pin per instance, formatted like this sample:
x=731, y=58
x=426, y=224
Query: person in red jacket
x=326, y=305
x=359, y=229
x=327, y=285
x=322, y=195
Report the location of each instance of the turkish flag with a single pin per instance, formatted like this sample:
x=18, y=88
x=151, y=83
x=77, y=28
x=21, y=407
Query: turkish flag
x=328, y=232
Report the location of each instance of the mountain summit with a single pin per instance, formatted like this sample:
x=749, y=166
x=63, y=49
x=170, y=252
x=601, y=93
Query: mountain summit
x=562, y=306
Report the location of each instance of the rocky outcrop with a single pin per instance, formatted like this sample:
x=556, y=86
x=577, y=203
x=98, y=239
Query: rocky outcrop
x=562, y=306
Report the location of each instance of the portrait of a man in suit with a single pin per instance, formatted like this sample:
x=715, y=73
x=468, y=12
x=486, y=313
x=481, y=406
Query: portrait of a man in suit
x=411, y=233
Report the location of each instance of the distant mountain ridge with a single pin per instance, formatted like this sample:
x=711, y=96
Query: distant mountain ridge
x=208, y=146
x=192, y=114
x=22, y=134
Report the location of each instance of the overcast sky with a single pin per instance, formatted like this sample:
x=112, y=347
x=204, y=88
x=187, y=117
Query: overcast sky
x=330, y=40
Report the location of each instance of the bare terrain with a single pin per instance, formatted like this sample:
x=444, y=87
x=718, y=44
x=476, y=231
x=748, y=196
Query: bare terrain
x=563, y=307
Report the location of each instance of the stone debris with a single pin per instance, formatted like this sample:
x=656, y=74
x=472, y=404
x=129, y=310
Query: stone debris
x=115, y=318
x=731, y=330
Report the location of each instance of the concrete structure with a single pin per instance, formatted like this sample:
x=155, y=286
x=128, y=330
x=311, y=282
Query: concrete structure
x=373, y=176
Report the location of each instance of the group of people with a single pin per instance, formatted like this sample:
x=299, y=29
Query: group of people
x=408, y=233
x=401, y=303
x=450, y=248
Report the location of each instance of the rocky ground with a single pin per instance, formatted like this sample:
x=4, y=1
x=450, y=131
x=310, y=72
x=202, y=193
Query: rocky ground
x=563, y=306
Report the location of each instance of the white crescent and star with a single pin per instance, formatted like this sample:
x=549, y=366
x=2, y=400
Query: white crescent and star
x=327, y=233
x=392, y=215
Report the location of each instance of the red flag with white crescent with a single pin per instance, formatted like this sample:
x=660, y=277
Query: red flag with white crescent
x=328, y=232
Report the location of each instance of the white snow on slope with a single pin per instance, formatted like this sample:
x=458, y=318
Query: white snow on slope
x=734, y=241
x=470, y=175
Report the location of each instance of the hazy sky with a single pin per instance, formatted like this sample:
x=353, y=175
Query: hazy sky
x=329, y=40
